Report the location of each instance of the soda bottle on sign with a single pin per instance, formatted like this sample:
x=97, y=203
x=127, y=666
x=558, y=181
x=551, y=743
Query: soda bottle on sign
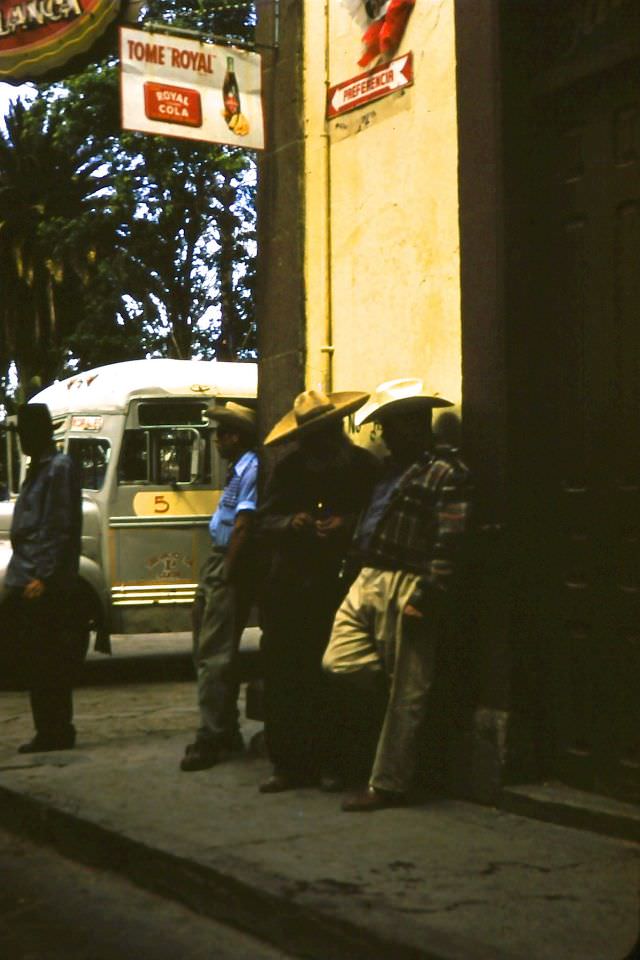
x=230, y=92
x=235, y=120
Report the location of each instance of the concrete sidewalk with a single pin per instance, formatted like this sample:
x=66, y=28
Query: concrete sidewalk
x=443, y=880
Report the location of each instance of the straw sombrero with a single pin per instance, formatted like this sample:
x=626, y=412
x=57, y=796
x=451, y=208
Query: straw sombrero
x=234, y=416
x=396, y=396
x=313, y=410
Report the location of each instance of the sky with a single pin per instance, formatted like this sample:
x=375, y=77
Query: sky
x=10, y=92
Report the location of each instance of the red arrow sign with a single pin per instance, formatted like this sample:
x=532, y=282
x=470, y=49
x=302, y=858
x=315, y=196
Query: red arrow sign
x=376, y=83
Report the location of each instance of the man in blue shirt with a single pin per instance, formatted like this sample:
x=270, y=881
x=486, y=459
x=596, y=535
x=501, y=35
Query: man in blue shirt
x=41, y=579
x=224, y=593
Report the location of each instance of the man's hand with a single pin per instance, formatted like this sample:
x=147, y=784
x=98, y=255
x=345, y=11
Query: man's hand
x=329, y=526
x=301, y=521
x=33, y=590
x=411, y=611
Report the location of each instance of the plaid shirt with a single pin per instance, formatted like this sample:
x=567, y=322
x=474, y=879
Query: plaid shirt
x=422, y=527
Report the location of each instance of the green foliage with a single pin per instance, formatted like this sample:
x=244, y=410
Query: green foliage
x=231, y=19
x=115, y=245
x=47, y=199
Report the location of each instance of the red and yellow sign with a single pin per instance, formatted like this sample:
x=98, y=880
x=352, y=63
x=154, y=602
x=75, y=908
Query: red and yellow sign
x=177, y=87
x=37, y=37
x=372, y=85
x=162, y=101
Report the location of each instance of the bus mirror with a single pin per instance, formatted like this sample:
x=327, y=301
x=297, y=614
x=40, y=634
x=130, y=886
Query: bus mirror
x=190, y=469
x=197, y=450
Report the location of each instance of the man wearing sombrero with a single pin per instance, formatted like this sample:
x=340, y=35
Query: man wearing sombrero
x=223, y=596
x=311, y=504
x=409, y=544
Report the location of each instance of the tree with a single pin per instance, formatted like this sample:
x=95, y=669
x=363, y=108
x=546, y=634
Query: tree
x=228, y=20
x=214, y=196
x=191, y=241
x=48, y=198
x=151, y=248
x=188, y=245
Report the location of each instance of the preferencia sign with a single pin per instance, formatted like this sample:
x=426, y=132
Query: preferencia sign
x=372, y=85
x=38, y=37
x=184, y=88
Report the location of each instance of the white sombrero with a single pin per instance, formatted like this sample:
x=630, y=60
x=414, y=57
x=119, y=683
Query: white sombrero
x=395, y=396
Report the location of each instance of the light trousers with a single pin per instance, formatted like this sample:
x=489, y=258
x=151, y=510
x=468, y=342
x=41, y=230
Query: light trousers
x=371, y=636
x=219, y=616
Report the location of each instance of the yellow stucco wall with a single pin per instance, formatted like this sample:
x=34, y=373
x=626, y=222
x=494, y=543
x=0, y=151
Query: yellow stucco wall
x=382, y=245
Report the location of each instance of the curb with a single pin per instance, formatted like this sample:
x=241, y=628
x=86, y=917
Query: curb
x=267, y=914
x=570, y=808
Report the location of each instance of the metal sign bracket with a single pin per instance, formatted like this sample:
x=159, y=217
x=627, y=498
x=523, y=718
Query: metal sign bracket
x=160, y=26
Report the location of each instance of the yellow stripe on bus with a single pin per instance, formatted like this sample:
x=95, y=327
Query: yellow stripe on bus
x=175, y=503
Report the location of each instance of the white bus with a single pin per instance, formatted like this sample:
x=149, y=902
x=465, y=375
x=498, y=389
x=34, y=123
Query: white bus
x=151, y=478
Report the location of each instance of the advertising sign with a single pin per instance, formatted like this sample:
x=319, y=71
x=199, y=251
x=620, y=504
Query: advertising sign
x=38, y=37
x=184, y=88
x=372, y=85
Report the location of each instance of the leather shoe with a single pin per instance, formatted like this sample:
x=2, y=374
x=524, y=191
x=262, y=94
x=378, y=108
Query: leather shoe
x=372, y=799
x=198, y=757
x=278, y=782
x=40, y=745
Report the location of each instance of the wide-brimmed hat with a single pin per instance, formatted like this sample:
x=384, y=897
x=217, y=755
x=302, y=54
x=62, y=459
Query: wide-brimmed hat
x=398, y=396
x=35, y=418
x=313, y=410
x=234, y=416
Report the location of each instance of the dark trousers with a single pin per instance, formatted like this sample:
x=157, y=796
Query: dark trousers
x=302, y=718
x=38, y=649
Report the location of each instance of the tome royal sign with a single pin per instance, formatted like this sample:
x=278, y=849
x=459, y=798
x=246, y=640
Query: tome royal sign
x=184, y=88
x=372, y=85
x=37, y=37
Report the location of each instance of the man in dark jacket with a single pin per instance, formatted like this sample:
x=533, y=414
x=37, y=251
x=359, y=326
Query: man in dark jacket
x=409, y=544
x=310, y=508
x=42, y=577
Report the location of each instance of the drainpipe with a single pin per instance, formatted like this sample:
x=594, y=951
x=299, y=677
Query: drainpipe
x=327, y=348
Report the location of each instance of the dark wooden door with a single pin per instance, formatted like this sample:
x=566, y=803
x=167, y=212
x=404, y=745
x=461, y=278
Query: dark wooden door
x=577, y=362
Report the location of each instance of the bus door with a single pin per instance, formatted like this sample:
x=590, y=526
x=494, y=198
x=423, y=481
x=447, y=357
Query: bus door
x=169, y=481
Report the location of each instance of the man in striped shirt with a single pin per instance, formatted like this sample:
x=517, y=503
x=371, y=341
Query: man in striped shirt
x=409, y=545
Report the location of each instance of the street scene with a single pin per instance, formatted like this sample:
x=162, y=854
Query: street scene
x=56, y=909
x=319, y=479
x=440, y=879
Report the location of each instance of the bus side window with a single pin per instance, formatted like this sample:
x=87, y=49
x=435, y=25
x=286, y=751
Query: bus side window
x=4, y=465
x=9, y=463
x=91, y=455
x=173, y=451
x=133, y=466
